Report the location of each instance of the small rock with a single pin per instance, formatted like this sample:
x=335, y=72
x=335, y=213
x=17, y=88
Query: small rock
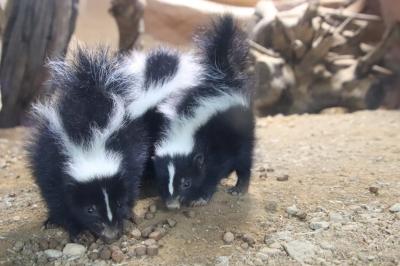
x=53, y=254
x=283, y=178
x=18, y=246
x=271, y=206
x=153, y=208
x=244, y=246
x=326, y=245
x=374, y=190
x=222, y=261
x=258, y=262
x=44, y=244
x=336, y=217
x=249, y=239
x=190, y=214
x=301, y=215
x=263, y=176
x=270, y=251
x=152, y=250
x=149, y=216
x=128, y=226
x=261, y=169
x=93, y=255
x=276, y=245
x=135, y=233
x=395, y=208
x=53, y=243
x=147, y=231
x=300, y=250
x=150, y=242
x=315, y=225
x=292, y=210
x=140, y=250
x=262, y=255
x=105, y=253
x=74, y=250
x=117, y=256
x=156, y=235
x=171, y=222
x=228, y=237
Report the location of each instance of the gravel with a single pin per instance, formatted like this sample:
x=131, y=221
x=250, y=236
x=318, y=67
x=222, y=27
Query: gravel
x=292, y=210
x=74, y=250
x=228, y=237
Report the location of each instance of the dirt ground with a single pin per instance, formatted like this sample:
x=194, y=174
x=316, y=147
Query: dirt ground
x=331, y=161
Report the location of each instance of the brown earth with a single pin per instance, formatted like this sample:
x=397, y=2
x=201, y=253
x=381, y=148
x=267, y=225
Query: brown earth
x=330, y=160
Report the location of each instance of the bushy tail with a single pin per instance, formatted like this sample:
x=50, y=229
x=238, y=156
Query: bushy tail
x=224, y=47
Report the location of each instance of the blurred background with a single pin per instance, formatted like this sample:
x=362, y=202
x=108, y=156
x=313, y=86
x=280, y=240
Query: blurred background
x=307, y=56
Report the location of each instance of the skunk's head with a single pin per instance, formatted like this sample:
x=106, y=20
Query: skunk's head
x=100, y=206
x=179, y=178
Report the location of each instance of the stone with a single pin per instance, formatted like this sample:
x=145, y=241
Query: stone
x=292, y=210
x=171, y=222
x=140, y=250
x=374, y=190
x=244, y=245
x=316, y=225
x=156, y=235
x=18, y=246
x=262, y=255
x=152, y=250
x=128, y=226
x=271, y=206
x=44, y=244
x=270, y=251
x=150, y=242
x=228, y=237
x=117, y=256
x=249, y=239
x=153, y=208
x=93, y=255
x=105, y=253
x=395, y=208
x=282, y=178
x=146, y=231
x=149, y=216
x=222, y=261
x=301, y=215
x=74, y=250
x=300, y=250
x=53, y=254
x=53, y=243
x=336, y=217
x=135, y=233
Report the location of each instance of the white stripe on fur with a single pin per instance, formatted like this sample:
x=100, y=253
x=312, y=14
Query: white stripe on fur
x=109, y=213
x=180, y=136
x=171, y=172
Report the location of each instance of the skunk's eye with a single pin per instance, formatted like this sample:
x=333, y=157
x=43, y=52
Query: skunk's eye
x=91, y=209
x=187, y=183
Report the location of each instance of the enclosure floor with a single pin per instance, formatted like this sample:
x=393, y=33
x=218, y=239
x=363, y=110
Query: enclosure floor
x=331, y=161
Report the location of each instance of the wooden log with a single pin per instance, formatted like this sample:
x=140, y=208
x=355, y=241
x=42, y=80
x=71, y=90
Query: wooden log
x=35, y=31
x=129, y=17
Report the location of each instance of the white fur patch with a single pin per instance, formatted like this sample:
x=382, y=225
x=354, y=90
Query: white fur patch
x=109, y=213
x=89, y=160
x=171, y=172
x=141, y=99
x=180, y=137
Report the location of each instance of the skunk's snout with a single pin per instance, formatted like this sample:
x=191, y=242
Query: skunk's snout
x=110, y=233
x=173, y=203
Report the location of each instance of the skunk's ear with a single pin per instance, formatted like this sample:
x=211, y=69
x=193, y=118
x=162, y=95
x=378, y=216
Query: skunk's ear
x=199, y=160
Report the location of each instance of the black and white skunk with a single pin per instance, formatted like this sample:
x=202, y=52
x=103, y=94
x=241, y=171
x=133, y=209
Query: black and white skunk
x=87, y=155
x=209, y=132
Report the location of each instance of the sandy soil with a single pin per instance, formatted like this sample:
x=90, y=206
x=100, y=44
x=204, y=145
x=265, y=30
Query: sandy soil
x=331, y=161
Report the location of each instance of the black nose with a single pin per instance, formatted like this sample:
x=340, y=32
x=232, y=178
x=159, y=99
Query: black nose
x=186, y=184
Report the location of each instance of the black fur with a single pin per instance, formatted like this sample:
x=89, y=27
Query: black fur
x=84, y=92
x=161, y=65
x=225, y=143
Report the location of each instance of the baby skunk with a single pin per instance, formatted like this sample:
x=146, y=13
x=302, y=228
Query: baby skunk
x=210, y=132
x=87, y=157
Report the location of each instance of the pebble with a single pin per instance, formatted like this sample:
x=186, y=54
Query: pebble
x=336, y=217
x=105, y=253
x=326, y=245
x=315, y=225
x=149, y=216
x=261, y=169
x=244, y=245
x=262, y=255
x=156, y=235
x=249, y=239
x=190, y=214
x=300, y=250
x=283, y=178
x=135, y=233
x=147, y=231
x=74, y=250
x=53, y=254
x=153, y=208
x=93, y=255
x=222, y=261
x=395, y=208
x=128, y=226
x=271, y=206
x=117, y=256
x=292, y=210
x=374, y=190
x=44, y=244
x=301, y=215
x=171, y=222
x=18, y=246
x=228, y=237
x=150, y=242
x=152, y=250
x=53, y=243
x=270, y=251
x=140, y=250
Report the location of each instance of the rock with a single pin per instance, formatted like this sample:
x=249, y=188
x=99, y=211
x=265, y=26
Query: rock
x=149, y=216
x=18, y=246
x=262, y=255
x=249, y=239
x=135, y=233
x=53, y=243
x=128, y=226
x=150, y=242
x=74, y=250
x=261, y=169
x=171, y=222
x=117, y=256
x=105, y=253
x=156, y=235
x=228, y=237
x=300, y=250
x=93, y=255
x=326, y=245
x=189, y=214
x=271, y=206
x=222, y=261
x=301, y=215
x=374, y=190
x=53, y=254
x=140, y=250
x=292, y=210
x=395, y=208
x=276, y=245
x=147, y=231
x=270, y=251
x=336, y=217
x=283, y=178
x=44, y=244
x=153, y=208
x=315, y=225
x=152, y=250
x=244, y=245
